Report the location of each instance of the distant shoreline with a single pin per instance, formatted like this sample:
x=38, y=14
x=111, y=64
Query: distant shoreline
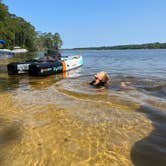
x=156, y=45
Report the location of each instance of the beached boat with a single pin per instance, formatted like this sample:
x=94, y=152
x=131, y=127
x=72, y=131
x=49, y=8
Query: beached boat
x=10, y=53
x=43, y=68
x=6, y=53
x=18, y=50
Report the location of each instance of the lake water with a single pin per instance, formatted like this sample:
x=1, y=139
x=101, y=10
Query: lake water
x=62, y=120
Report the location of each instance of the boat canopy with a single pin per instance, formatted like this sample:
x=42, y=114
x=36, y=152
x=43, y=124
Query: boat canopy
x=2, y=41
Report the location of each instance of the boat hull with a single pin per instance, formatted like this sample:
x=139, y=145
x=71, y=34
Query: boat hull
x=40, y=68
x=16, y=68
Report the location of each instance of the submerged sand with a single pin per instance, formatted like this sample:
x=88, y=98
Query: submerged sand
x=63, y=123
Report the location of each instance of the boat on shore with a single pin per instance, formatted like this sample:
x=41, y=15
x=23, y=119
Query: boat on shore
x=18, y=50
x=44, y=68
x=6, y=53
x=10, y=53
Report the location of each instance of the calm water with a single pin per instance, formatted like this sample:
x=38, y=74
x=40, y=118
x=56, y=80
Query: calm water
x=147, y=63
x=61, y=120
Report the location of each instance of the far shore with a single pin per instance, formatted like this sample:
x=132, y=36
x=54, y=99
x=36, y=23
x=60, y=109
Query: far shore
x=156, y=45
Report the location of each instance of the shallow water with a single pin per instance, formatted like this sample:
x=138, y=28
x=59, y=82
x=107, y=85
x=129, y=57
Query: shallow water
x=61, y=120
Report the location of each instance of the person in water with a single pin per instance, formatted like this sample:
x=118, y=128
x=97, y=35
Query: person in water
x=101, y=79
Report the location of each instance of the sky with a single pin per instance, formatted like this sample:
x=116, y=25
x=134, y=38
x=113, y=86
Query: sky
x=88, y=23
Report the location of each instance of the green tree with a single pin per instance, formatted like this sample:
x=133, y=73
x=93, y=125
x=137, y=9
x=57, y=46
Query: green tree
x=48, y=40
x=15, y=30
x=18, y=32
x=57, y=41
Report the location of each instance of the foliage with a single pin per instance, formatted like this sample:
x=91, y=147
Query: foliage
x=48, y=40
x=15, y=30
x=18, y=32
x=156, y=45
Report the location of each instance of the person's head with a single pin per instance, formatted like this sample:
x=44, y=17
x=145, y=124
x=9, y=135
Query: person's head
x=102, y=76
x=101, y=79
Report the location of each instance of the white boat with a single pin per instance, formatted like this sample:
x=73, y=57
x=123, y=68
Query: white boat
x=6, y=52
x=18, y=50
x=72, y=61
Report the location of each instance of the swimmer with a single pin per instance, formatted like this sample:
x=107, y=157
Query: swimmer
x=101, y=80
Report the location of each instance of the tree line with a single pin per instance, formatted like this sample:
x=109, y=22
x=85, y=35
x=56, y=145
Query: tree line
x=155, y=45
x=16, y=31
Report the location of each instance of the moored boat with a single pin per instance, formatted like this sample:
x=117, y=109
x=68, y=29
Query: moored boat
x=10, y=53
x=43, y=68
x=18, y=50
x=6, y=52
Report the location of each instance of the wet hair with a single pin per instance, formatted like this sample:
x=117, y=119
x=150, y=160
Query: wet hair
x=105, y=78
x=98, y=85
x=103, y=82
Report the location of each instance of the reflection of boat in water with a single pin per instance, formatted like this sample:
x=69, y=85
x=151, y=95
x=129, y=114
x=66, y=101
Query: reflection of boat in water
x=43, y=68
x=22, y=82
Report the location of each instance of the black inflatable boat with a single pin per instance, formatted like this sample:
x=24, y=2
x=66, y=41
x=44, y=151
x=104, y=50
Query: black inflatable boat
x=43, y=68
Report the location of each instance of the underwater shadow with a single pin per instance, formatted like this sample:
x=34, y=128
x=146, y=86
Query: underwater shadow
x=151, y=151
x=8, y=83
x=10, y=133
x=26, y=82
x=157, y=91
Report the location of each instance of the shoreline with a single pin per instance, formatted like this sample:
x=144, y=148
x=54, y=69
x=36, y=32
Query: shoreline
x=88, y=49
x=155, y=45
